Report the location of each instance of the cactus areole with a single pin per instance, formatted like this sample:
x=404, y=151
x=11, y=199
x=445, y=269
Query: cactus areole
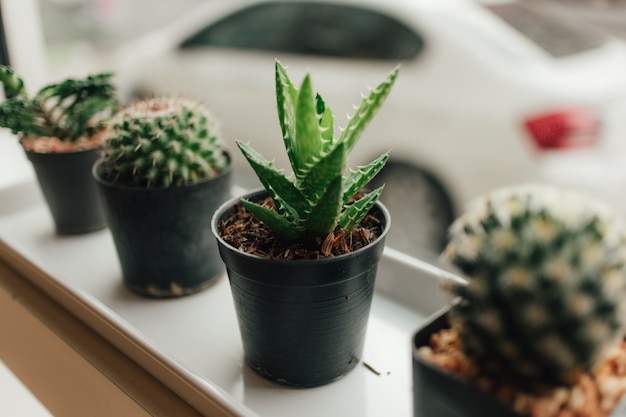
x=163, y=142
x=546, y=291
x=317, y=202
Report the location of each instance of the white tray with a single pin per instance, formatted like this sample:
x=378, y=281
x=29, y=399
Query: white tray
x=192, y=344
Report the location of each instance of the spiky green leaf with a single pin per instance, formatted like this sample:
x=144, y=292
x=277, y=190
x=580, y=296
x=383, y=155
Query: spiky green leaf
x=308, y=131
x=284, y=229
x=358, y=179
x=286, y=99
x=281, y=189
x=353, y=214
x=365, y=112
x=320, y=175
x=326, y=121
x=323, y=218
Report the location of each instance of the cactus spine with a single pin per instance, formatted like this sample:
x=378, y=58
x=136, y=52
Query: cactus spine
x=546, y=292
x=162, y=142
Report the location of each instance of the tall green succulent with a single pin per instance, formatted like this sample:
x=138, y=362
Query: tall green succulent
x=318, y=198
x=162, y=142
x=68, y=110
x=546, y=292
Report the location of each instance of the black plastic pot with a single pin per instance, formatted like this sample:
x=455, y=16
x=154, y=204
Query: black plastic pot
x=70, y=193
x=302, y=322
x=163, y=235
x=438, y=393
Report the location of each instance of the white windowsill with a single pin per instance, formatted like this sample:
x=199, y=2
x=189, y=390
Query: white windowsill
x=192, y=344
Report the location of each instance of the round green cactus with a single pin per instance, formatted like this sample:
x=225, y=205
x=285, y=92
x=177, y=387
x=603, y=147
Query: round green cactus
x=162, y=142
x=546, y=290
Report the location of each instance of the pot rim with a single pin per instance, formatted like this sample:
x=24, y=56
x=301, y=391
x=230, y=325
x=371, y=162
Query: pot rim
x=234, y=200
x=41, y=155
x=31, y=152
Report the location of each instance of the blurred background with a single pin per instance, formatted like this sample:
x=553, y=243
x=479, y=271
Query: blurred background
x=491, y=92
x=76, y=27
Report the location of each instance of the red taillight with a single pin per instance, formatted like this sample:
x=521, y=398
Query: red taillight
x=569, y=128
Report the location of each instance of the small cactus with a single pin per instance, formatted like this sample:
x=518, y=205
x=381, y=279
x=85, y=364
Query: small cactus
x=163, y=142
x=546, y=290
x=319, y=199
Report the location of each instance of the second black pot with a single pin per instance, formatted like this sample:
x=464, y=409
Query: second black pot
x=302, y=322
x=163, y=235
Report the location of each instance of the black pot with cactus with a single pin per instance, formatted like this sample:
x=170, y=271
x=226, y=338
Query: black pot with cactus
x=538, y=327
x=60, y=129
x=301, y=255
x=163, y=173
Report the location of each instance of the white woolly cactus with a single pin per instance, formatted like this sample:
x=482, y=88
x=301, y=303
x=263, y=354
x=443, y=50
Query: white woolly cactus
x=546, y=291
x=162, y=142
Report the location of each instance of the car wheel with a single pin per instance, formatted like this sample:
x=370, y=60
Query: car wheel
x=420, y=209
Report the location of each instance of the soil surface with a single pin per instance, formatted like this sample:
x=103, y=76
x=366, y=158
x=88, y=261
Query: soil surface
x=47, y=144
x=245, y=232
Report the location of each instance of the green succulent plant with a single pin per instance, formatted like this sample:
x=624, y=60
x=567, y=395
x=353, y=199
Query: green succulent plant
x=163, y=142
x=318, y=198
x=546, y=291
x=68, y=110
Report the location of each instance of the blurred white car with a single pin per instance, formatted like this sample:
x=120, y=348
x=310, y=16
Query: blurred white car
x=490, y=93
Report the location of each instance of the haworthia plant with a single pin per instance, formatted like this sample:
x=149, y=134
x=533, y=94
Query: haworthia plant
x=546, y=292
x=68, y=110
x=318, y=198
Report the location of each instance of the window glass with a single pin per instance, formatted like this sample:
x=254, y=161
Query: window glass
x=552, y=32
x=314, y=29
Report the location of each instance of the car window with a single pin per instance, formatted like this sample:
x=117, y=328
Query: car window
x=266, y=27
x=313, y=29
x=352, y=32
x=551, y=31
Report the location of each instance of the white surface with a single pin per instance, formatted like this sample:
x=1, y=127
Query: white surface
x=25, y=41
x=15, y=399
x=15, y=168
x=17, y=185
x=196, y=339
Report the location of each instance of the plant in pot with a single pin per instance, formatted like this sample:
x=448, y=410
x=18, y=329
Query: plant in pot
x=538, y=328
x=301, y=254
x=163, y=172
x=60, y=129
